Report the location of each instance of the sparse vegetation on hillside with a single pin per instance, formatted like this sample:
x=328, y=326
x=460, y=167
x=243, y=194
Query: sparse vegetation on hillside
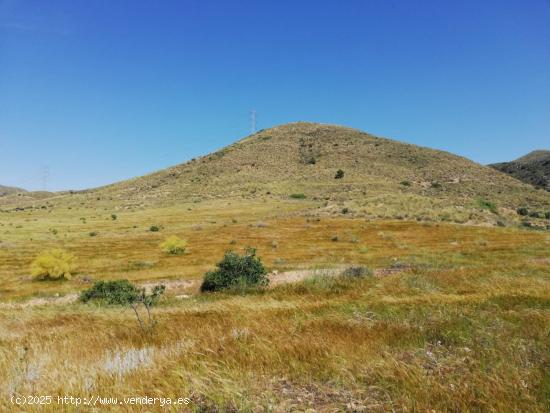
x=258, y=168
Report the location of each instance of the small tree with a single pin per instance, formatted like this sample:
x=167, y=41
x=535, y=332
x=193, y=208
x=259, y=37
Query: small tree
x=339, y=174
x=174, y=245
x=54, y=264
x=123, y=292
x=236, y=271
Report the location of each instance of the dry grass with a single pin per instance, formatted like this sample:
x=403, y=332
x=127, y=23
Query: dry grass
x=464, y=327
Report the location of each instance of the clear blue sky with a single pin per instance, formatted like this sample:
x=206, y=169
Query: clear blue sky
x=101, y=91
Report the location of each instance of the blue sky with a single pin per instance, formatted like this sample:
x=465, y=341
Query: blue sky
x=99, y=91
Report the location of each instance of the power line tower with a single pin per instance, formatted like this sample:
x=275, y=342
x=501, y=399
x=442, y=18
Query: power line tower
x=253, y=121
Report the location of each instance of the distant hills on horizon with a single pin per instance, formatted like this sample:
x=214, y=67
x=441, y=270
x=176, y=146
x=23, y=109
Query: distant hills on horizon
x=533, y=168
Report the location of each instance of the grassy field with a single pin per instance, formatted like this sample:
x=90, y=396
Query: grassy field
x=456, y=318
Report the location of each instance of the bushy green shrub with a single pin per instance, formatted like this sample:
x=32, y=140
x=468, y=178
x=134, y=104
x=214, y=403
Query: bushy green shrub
x=405, y=183
x=339, y=174
x=113, y=217
x=235, y=270
x=547, y=215
x=117, y=292
x=297, y=196
x=54, y=264
x=484, y=204
x=173, y=245
x=154, y=228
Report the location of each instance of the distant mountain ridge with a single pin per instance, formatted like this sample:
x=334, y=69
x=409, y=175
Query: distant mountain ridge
x=533, y=168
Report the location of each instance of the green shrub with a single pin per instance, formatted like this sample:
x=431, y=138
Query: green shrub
x=522, y=211
x=93, y=234
x=54, y=264
x=547, y=215
x=435, y=185
x=405, y=183
x=236, y=271
x=345, y=210
x=173, y=245
x=488, y=205
x=154, y=228
x=113, y=217
x=297, y=196
x=339, y=174
x=117, y=292
x=534, y=214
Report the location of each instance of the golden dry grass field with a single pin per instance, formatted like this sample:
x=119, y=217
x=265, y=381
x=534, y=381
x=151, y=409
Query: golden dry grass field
x=455, y=318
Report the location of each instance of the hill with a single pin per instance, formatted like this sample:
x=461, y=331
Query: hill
x=533, y=168
x=9, y=190
x=381, y=178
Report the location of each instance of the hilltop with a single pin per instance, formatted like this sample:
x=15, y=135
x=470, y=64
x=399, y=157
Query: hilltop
x=381, y=178
x=533, y=168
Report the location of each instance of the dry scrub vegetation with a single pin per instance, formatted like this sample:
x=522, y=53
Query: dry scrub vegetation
x=455, y=318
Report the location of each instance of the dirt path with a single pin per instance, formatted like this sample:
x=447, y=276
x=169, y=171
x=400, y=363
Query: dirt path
x=186, y=288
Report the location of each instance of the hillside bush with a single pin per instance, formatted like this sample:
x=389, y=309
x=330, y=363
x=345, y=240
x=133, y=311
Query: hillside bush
x=173, y=245
x=235, y=270
x=339, y=174
x=297, y=196
x=54, y=264
x=522, y=211
x=405, y=183
x=488, y=205
x=154, y=228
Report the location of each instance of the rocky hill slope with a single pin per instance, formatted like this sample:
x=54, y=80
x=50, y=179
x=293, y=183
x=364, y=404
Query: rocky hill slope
x=533, y=168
